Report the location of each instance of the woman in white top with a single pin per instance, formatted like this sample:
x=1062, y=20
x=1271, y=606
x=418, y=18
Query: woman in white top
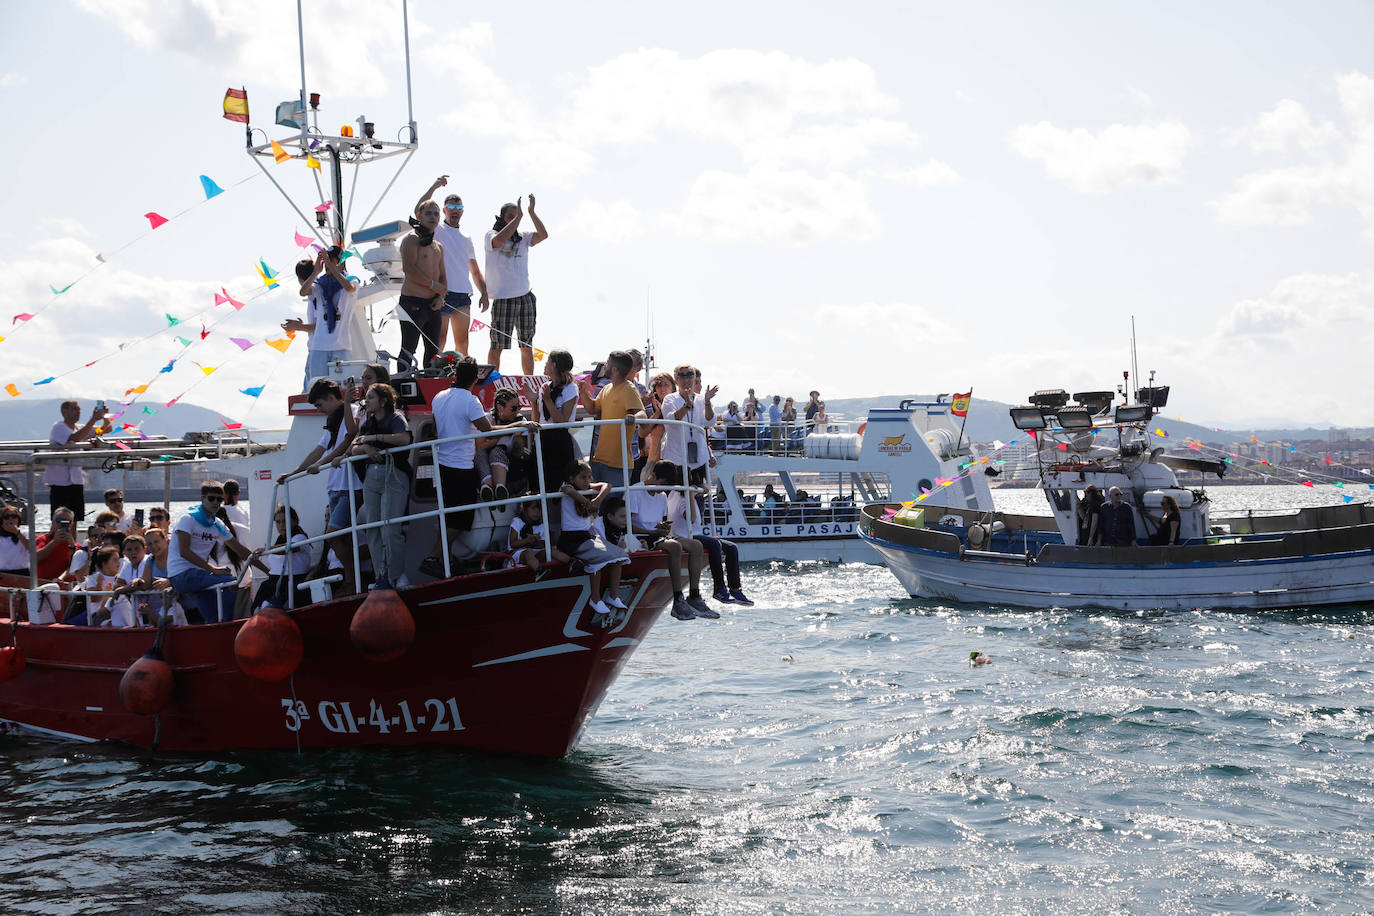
x=107, y=610
x=14, y=547
x=557, y=404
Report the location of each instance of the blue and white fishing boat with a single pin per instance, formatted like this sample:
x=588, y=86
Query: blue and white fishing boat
x=1252, y=561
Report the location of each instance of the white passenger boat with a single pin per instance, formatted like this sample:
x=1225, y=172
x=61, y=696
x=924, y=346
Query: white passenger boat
x=1254, y=561
x=821, y=478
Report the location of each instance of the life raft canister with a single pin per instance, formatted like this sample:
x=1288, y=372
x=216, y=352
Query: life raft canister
x=12, y=663
x=382, y=627
x=147, y=684
x=269, y=645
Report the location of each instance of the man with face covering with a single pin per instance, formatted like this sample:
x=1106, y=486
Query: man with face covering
x=426, y=283
x=508, y=282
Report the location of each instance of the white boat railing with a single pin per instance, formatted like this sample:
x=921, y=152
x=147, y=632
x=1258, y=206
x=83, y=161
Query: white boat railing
x=761, y=437
x=679, y=427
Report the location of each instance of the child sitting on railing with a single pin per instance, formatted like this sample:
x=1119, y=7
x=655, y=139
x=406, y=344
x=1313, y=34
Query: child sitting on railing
x=492, y=457
x=580, y=542
x=613, y=522
x=525, y=543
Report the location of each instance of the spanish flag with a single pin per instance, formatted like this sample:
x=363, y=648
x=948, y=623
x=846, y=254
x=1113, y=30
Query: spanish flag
x=236, y=105
x=960, y=405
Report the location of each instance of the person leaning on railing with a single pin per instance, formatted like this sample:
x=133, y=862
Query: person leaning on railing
x=188, y=561
x=386, y=478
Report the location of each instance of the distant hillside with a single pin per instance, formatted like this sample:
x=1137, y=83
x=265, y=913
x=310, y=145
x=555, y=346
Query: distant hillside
x=989, y=420
x=33, y=419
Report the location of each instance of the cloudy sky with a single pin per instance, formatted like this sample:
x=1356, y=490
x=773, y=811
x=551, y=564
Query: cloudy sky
x=893, y=198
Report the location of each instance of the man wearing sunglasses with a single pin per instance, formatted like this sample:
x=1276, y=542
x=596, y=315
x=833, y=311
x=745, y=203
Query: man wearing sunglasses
x=188, y=559
x=461, y=270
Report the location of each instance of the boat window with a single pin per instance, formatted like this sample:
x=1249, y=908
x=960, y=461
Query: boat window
x=808, y=496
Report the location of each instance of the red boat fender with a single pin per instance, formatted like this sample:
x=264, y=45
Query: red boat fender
x=147, y=685
x=12, y=663
x=382, y=628
x=269, y=645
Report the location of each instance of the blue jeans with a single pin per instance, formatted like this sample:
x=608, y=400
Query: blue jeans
x=317, y=364
x=718, y=550
x=339, y=517
x=604, y=473
x=193, y=585
x=456, y=302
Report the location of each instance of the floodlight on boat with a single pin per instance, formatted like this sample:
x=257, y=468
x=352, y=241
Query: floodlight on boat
x=1028, y=418
x=1051, y=398
x=314, y=101
x=1156, y=396
x=1095, y=402
x=1075, y=418
x=1134, y=413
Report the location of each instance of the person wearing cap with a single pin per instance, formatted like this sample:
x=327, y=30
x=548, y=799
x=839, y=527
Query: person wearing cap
x=1115, y=521
x=461, y=271
x=328, y=312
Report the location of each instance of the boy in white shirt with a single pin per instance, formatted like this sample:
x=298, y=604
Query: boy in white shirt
x=649, y=522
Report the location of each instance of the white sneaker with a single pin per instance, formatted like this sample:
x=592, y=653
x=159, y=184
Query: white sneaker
x=600, y=613
x=614, y=601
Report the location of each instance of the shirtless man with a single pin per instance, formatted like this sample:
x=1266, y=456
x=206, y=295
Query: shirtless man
x=422, y=293
x=460, y=264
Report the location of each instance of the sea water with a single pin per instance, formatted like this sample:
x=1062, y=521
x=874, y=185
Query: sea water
x=829, y=750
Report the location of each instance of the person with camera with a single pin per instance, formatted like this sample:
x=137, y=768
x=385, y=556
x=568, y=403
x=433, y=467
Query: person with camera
x=328, y=312
x=56, y=548
x=66, y=482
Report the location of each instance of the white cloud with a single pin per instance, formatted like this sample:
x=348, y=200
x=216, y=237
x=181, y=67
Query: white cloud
x=786, y=205
x=931, y=174
x=1115, y=157
x=13, y=80
x=1287, y=125
x=777, y=129
x=616, y=222
x=1339, y=167
x=254, y=42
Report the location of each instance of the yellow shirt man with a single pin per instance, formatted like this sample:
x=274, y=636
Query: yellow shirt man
x=617, y=401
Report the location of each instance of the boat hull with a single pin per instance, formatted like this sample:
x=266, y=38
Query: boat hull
x=1133, y=578
x=499, y=663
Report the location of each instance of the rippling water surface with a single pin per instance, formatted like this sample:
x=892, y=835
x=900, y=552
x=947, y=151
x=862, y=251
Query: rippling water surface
x=828, y=751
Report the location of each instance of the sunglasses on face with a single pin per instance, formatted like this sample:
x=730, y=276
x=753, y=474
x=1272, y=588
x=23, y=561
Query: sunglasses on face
x=119, y=500
x=213, y=499
x=453, y=206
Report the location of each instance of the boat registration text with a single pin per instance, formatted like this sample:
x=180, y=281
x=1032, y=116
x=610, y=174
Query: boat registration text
x=339, y=716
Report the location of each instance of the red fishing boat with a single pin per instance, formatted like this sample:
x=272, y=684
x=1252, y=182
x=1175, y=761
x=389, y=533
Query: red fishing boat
x=499, y=662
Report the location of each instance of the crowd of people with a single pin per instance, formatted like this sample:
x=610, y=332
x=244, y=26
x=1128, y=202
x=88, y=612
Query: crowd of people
x=138, y=570
x=441, y=273
x=770, y=424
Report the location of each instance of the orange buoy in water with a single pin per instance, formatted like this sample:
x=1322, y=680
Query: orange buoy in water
x=12, y=663
x=269, y=645
x=147, y=685
x=382, y=628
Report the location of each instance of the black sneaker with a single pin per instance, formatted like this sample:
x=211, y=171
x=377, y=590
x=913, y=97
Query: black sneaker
x=682, y=610
x=502, y=494
x=432, y=566
x=486, y=494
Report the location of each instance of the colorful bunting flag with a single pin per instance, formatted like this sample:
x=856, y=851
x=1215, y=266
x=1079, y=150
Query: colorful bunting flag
x=207, y=369
x=538, y=354
x=150, y=410
x=172, y=322
x=167, y=368
x=279, y=344
x=303, y=240
x=155, y=219
x=236, y=105
x=1308, y=483
x=58, y=292
x=477, y=325
x=252, y=392
x=242, y=344
x=139, y=390
x=183, y=341
x=211, y=189
x=44, y=381
x=204, y=331
x=311, y=162
x=279, y=153
x=168, y=404
x=14, y=392
x=223, y=296
x=269, y=276
x=228, y=425
x=121, y=445
x=22, y=316
x=325, y=207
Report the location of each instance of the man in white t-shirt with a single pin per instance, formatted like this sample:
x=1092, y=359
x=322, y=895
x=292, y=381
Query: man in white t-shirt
x=457, y=412
x=688, y=450
x=460, y=268
x=189, y=565
x=508, y=279
x=66, y=481
x=328, y=312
